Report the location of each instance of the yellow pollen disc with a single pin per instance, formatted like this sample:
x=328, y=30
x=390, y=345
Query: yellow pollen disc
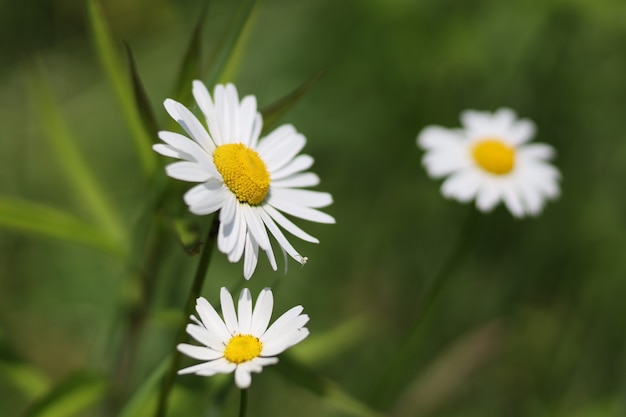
x=242, y=348
x=243, y=171
x=494, y=156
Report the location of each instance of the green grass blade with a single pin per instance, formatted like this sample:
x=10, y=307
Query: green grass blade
x=116, y=73
x=39, y=219
x=225, y=54
x=191, y=66
x=143, y=394
x=319, y=348
x=141, y=97
x=72, y=162
x=273, y=112
x=299, y=374
x=71, y=397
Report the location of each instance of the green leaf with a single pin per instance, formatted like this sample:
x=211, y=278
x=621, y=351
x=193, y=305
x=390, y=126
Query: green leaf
x=72, y=161
x=115, y=71
x=141, y=97
x=321, y=347
x=222, y=61
x=71, y=397
x=273, y=112
x=299, y=374
x=26, y=378
x=144, y=393
x=40, y=219
x=190, y=68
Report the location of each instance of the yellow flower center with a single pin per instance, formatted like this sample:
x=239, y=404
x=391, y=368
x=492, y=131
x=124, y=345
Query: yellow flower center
x=243, y=171
x=494, y=156
x=242, y=348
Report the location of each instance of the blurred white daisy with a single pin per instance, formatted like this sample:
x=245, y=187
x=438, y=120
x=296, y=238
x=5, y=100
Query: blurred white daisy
x=241, y=342
x=251, y=181
x=489, y=160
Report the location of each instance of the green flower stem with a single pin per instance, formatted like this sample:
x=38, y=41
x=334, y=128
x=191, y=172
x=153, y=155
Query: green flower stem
x=243, y=405
x=194, y=293
x=397, y=369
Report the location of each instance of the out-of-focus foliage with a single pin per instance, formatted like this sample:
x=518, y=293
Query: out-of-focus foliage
x=530, y=320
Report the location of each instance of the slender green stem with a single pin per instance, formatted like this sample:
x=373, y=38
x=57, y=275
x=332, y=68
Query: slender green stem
x=194, y=293
x=396, y=369
x=243, y=405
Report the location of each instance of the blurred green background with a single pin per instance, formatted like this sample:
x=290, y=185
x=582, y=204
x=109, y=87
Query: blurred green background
x=531, y=318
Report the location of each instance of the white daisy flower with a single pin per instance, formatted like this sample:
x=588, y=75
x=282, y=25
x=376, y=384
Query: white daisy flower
x=490, y=160
x=251, y=181
x=241, y=342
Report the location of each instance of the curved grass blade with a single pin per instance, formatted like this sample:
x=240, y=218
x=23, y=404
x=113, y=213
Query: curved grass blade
x=144, y=393
x=43, y=220
x=327, y=345
x=71, y=397
x=273, y=112
x=299, y=374
x=115, y=71
x=191, y=66
x=19, y=374
x=72, y=161
x=141, y=97
x=225, y=52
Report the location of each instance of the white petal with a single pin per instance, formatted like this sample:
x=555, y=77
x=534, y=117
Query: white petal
x=255, y=225
x=240, y=240
x=461, y=186
x=202, y=97
x=219, y=366
x=521, y=132
x=282, y=240
x=211, y=319
x=190, y=124
x=279, y=147
x=513, y=202
x=206, y=337
x=488, y=196
x=314, y=199
x=297, y=164
x=256, y=130
x=277, y=346
x=286, y=224
x=308, y=179
x=539, y=151
x=264, y=361
x=228, y=233
x=436, y=137
x=228, y=311
x=270, y=257
x=300, y=211
x=262, y=312
x=244, y=311
x=275, y=328
x=167, y=150
x=187, y=171
x=187, y=148
x=206, y=198
x=227, y=214
x=243, y=379
x=199, y=352
x=251, y=257
x=247, y=119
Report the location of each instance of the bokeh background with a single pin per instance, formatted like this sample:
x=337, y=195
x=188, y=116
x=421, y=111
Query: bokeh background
x=530, y=318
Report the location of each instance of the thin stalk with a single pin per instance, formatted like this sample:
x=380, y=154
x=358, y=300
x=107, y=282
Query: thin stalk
x=194, y=293
x=243, y=404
